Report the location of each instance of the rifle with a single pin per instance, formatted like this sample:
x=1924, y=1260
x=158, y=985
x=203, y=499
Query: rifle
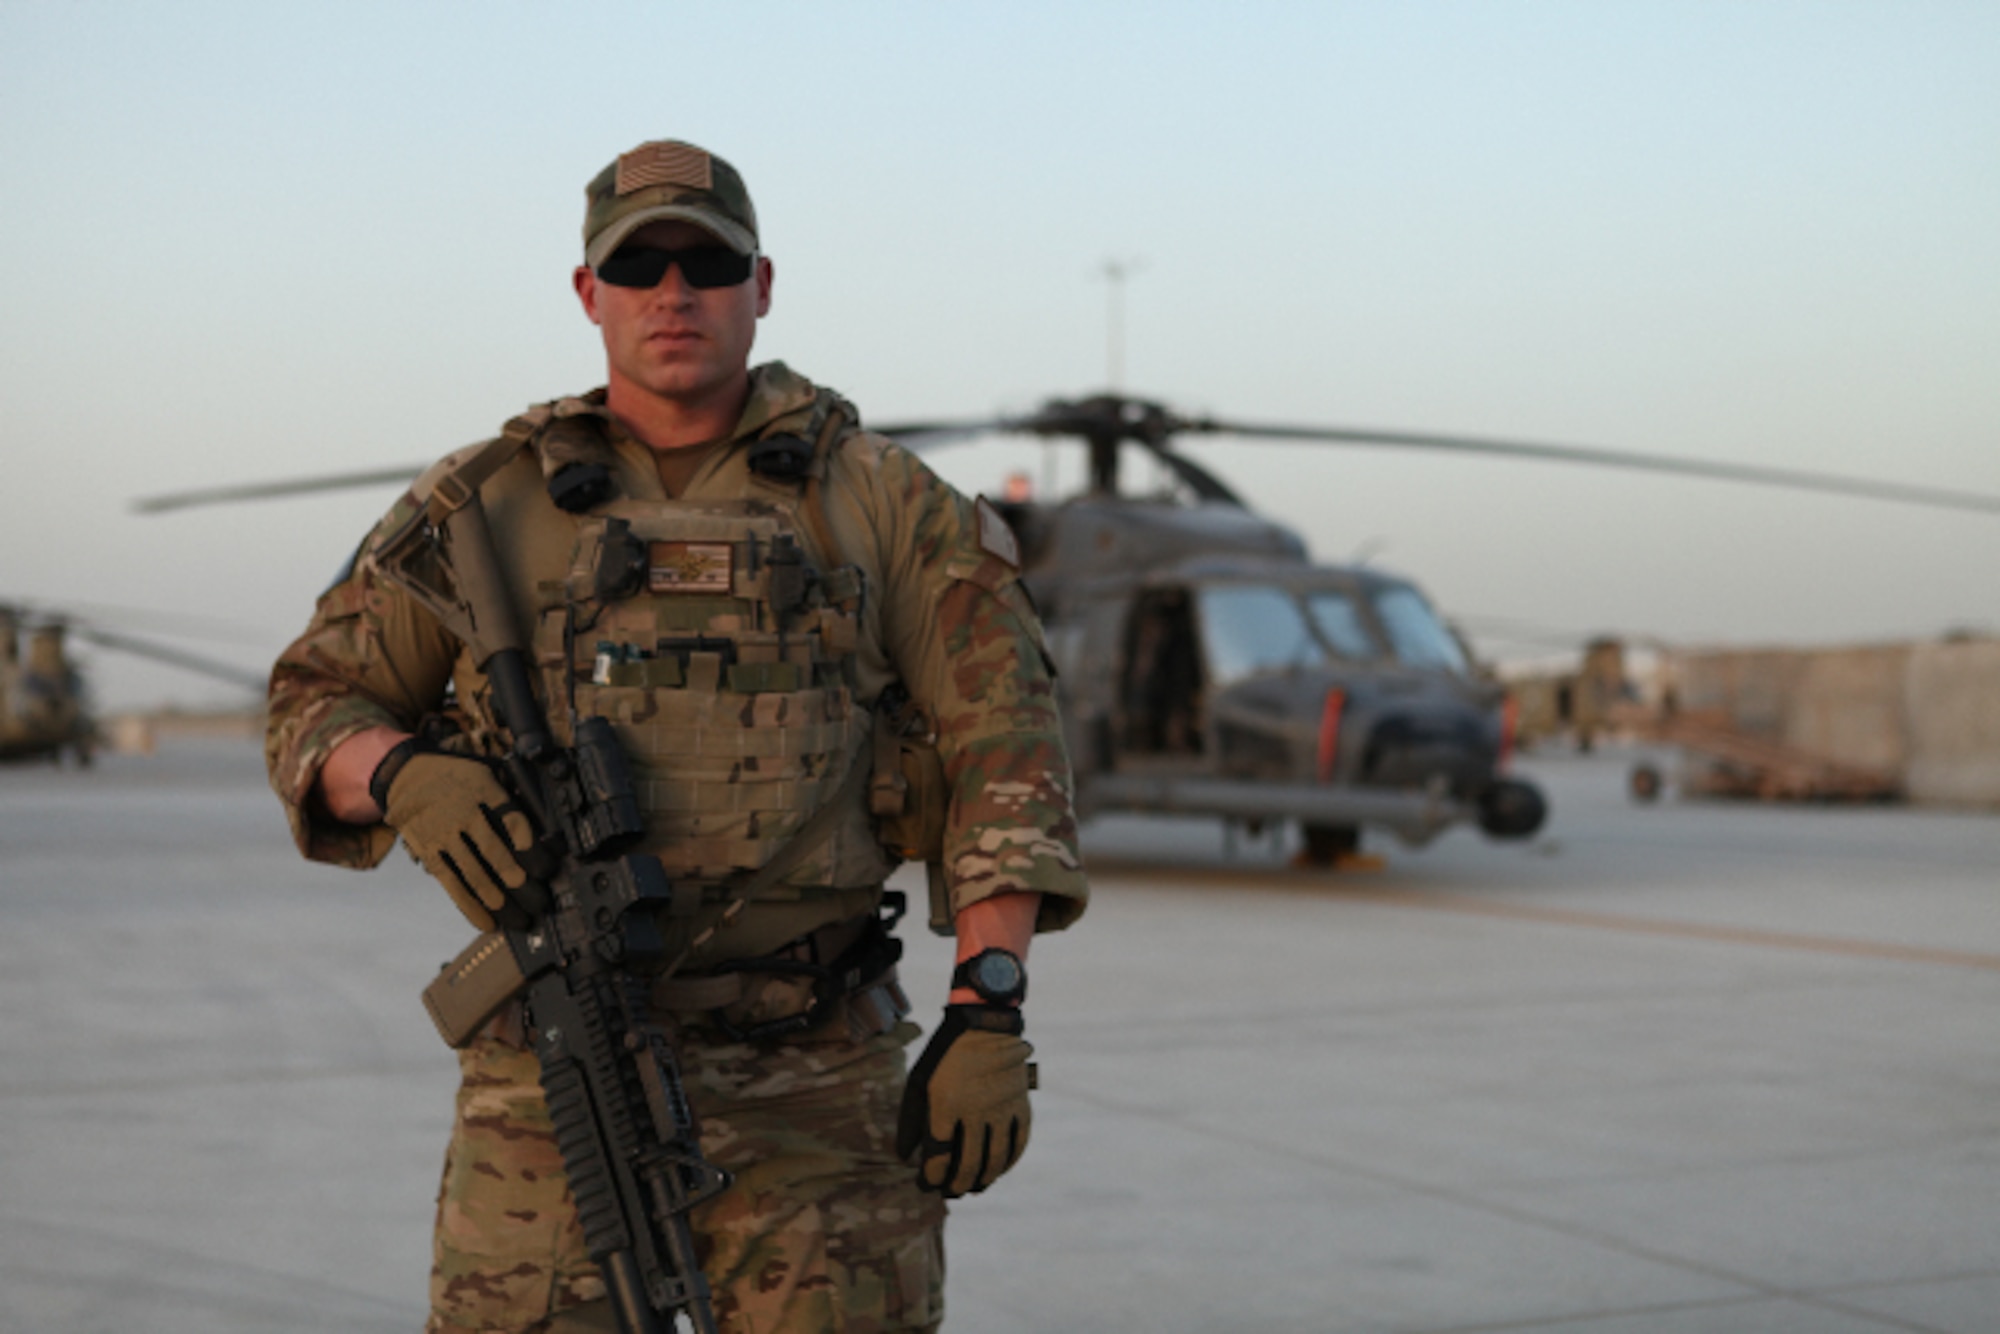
x=582, y=941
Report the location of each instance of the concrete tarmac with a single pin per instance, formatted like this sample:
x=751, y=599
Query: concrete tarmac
x=1689, y=1069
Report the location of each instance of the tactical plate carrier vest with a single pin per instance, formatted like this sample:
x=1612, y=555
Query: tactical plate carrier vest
x=725, y=659
x=719, y=642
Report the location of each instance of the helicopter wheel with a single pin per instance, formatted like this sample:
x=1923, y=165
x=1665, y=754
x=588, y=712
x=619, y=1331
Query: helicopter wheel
x=1334, y=847
x=1327, y=843
x=1644, y=783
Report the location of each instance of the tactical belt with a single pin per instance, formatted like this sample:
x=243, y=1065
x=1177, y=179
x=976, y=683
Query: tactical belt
x=848, y=965
x=712, y=991
x=859, y=982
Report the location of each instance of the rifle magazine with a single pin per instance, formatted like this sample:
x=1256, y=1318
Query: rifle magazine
x=470, y=990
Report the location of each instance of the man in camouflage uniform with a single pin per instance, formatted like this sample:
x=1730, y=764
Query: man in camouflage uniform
x=738, y=738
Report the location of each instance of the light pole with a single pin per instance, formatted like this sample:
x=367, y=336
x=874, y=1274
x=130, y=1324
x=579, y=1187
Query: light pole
x=1115, y=272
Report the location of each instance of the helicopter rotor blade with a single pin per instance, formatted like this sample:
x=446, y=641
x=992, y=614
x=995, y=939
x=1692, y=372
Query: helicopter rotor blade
x=914, y=435
x=925, y=435
x=221, y=495
x=1060, y=418
x=192, y=662
x=1757, y=474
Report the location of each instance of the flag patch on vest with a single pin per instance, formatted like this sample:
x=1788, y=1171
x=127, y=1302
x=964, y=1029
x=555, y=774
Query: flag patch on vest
x=690, y=567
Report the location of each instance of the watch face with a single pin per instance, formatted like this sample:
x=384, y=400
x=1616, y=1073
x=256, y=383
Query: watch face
x=996, y=973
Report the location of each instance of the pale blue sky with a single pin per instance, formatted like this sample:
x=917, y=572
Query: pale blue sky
x=244, y=241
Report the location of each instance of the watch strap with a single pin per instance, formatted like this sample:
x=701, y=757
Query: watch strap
x=1006, y=1019
x=391, y=764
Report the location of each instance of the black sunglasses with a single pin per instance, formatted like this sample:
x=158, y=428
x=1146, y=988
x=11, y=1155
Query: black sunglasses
x=701, y=266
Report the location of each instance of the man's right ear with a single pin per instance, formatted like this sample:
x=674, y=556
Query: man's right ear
x=584, y=280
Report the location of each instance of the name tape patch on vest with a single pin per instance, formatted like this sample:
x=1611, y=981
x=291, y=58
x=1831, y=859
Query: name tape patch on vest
x=996, y=536
x=690, y=567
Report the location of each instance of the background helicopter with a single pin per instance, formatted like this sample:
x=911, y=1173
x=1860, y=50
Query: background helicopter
x=45, y=706
x=1209, y=667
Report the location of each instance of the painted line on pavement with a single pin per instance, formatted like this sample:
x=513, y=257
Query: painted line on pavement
x=1653, y=926
x=1433, y=900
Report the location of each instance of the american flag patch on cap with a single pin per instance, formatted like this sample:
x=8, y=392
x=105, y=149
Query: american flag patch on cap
x=665, y=162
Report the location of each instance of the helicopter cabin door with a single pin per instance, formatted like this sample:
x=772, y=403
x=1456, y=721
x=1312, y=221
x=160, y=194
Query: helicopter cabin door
x=1160, y=681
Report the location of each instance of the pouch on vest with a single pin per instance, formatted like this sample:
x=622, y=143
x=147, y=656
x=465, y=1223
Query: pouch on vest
x=908, y=794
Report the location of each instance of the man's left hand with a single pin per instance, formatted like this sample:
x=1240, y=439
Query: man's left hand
x=965, y=1113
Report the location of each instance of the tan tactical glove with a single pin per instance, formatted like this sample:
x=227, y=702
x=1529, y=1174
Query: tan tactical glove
x=463, y=826
x=965, y=1110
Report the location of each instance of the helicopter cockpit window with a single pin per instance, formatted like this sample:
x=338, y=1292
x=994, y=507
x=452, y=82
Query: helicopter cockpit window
x=1250, y=629
x=1418, y=636
x=1339, y=623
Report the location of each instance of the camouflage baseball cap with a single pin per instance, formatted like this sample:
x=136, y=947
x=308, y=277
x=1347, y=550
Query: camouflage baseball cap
x=661, y=181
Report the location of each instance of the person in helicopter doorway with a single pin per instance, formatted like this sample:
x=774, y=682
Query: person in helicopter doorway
x=739, y=738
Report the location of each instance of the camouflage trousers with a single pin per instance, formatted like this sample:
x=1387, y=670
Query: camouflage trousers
x=823, y=1230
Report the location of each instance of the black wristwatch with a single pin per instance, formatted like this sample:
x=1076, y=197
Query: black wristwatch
x=995, y=976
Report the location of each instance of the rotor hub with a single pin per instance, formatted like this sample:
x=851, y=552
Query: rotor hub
x=1104, y=422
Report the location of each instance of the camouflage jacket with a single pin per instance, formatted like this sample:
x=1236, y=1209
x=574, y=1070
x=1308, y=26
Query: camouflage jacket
x=945, y=614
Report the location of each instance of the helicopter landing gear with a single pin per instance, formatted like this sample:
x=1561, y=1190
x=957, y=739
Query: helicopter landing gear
x=1512, y=809
x=1644, y=783
x=1335, y=847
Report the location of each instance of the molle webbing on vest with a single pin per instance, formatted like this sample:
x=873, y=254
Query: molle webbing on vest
x=740, y=890
x=666, y=730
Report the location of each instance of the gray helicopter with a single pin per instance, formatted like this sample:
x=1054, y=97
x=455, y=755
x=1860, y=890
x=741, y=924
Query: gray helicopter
x=1207, y=666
